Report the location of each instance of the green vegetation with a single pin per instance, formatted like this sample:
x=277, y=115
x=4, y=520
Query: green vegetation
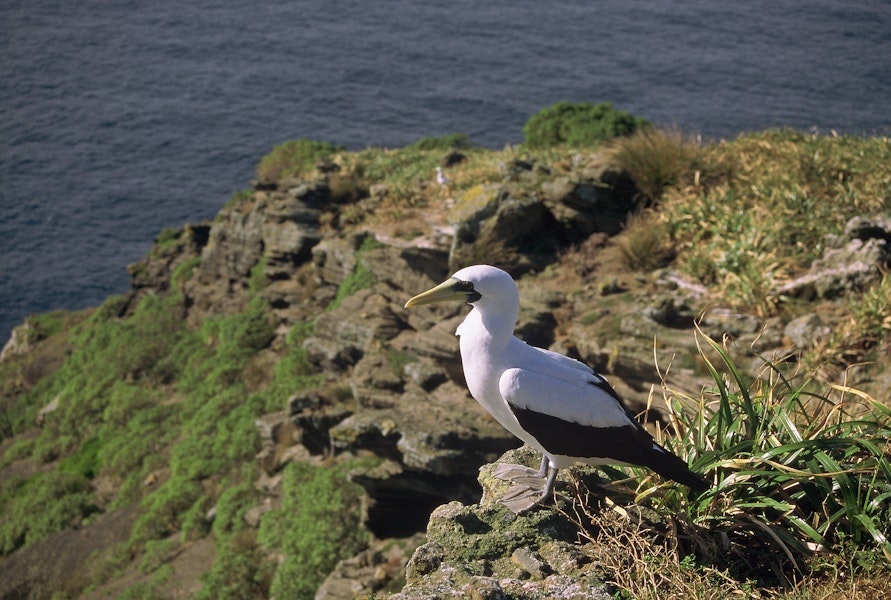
x=41, y=505
x=294, y=158
x=655, y=159
x=752, y=220
x=579, y=124
x=795, y=468
x=645, y=244
x=360, y=279
x=319, y=523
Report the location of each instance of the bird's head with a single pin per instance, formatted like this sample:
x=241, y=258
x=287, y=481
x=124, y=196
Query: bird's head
x=477, y=285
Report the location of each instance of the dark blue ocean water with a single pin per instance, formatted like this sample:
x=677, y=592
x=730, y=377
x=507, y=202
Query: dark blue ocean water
x=121, y=117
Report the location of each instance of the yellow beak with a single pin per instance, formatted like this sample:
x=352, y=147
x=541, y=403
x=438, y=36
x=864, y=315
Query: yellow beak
x=444, y=292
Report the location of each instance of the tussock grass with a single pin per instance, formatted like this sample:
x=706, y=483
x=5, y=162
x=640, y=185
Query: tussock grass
x=645, y=244
x=802, y=484
x=656, y=159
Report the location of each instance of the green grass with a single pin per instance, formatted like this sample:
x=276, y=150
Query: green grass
x=796, y=468
x=761, y=207
x=42, y=505
x=360, y=279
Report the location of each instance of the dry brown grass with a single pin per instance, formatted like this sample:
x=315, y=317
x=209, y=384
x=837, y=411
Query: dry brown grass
x=645, y=244
x=656, y=159
x=648, y=556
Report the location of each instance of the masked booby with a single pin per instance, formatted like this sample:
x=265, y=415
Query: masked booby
x=553, y=403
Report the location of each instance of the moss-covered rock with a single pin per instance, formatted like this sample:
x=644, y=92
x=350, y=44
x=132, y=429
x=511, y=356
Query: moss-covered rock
x=486, y=551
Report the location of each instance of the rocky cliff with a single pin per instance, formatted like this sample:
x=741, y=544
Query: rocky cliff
x=341, y=251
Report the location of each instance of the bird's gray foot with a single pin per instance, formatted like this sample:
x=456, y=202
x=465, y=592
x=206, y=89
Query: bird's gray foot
x=530, y=487
x=521, y=498
x=520, y=475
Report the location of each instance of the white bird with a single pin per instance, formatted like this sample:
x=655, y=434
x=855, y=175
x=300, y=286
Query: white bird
x=441, y=179
x=553, y=403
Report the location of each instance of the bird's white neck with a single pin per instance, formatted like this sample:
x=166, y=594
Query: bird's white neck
x=488, y=328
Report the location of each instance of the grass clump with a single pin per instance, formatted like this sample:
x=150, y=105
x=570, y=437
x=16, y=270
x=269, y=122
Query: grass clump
x=655, y=159
x=294, y=158
x=800, y=475
x=577, y=124
x=645, y=244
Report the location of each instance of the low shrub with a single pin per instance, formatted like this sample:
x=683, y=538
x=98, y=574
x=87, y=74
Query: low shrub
x=452, y=141
x=655, y=159
x=645, y=244
x=579, y=124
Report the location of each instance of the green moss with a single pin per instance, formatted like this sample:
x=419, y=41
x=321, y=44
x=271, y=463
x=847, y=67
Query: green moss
x=478, y=202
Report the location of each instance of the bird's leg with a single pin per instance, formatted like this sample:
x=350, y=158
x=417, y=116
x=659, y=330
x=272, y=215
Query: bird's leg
x=549, y=485
x=545, y=465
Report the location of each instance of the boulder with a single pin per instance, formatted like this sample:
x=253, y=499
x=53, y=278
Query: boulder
x=807, y=330
x=502, y=226
x=583, y=206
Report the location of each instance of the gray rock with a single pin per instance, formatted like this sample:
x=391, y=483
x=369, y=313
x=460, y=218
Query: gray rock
x=269, y=426
x=720, y=321
x=806, y=330
x=425, y=375
x=852, y=267
x=370, y=571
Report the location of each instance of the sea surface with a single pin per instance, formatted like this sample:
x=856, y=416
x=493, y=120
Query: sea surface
x=121, y=117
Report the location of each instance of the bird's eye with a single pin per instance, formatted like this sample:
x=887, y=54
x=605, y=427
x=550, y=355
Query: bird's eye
x=467, y=288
